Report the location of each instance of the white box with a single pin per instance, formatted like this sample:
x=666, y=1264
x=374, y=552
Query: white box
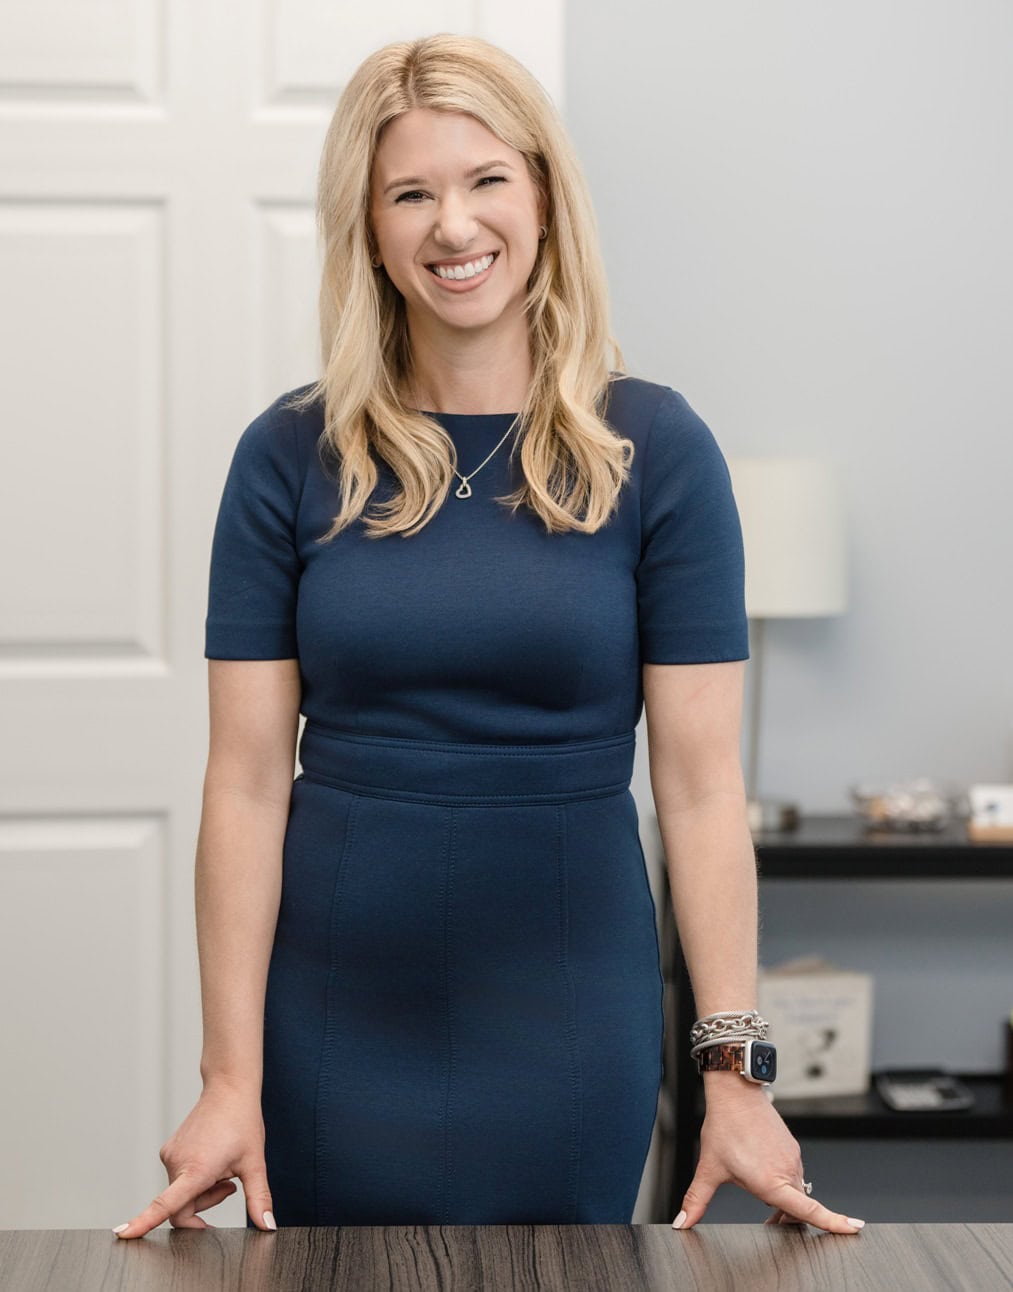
x=991, y=804
x=820, y=1020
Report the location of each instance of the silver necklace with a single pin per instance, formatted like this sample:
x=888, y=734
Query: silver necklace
x=463, y=490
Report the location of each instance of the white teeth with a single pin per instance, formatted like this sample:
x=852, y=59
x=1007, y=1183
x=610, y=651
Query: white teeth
x=469, y=270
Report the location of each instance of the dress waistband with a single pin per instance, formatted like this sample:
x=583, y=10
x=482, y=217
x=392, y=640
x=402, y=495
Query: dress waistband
x=465, y=772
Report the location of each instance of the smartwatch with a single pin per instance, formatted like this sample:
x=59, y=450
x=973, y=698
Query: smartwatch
x=755, y=1060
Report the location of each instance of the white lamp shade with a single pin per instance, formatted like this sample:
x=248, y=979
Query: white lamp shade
x=792, y=514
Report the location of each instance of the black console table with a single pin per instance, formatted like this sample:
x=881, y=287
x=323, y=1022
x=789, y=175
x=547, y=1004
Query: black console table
x=825, y=847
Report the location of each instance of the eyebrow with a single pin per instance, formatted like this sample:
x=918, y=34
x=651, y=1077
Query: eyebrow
x=420, y=179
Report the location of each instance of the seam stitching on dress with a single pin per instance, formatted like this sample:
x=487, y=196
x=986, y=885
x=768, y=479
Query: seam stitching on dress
x=643, y=472
x=466, y=800
x=448, y=1165
x=301, y=478
x=474, y=748
x=328, y=1036
x=576, y=1118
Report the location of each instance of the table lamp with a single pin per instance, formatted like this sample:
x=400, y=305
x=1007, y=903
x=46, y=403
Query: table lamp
x=793, y=533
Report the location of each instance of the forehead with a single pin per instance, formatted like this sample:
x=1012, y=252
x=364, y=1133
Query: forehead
x=439, y=141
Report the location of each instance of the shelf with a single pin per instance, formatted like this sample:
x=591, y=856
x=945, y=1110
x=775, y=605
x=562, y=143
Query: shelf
x=830, y=847
x=865, y=1116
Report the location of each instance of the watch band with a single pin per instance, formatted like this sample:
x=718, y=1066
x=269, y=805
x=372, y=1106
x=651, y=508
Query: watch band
x=753, y=1060
x=725, y=1056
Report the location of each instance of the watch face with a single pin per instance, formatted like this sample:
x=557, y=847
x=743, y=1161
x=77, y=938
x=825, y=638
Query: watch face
x=762, y=1061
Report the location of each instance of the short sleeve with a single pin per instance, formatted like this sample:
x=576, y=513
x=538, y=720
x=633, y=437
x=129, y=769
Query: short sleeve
x=691, y=573
x=254, y=576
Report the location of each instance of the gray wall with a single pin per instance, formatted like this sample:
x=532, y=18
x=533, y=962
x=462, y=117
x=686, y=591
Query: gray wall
x=806, y=215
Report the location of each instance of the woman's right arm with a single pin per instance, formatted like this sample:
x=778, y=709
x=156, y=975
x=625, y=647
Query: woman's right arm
x=254, y=718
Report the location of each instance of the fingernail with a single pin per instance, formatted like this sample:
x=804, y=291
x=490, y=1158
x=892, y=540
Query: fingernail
x=857, y=1223
x=679, y=1221
x=120, y=1228
x=269, y=1220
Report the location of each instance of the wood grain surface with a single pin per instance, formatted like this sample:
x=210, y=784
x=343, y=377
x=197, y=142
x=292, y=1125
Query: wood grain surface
x=472, y=1258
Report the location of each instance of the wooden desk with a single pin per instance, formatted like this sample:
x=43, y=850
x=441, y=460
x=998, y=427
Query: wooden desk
x=486, y=1258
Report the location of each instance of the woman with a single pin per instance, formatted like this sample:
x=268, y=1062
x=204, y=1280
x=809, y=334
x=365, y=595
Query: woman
x=430, y=975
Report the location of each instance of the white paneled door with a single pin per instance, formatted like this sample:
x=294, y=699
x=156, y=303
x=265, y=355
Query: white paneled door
x=158, y=280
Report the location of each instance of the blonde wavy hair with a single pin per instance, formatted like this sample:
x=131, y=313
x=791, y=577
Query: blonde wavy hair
x=574, y=463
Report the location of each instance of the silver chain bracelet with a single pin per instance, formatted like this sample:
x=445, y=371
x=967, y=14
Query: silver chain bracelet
x=727, y=1025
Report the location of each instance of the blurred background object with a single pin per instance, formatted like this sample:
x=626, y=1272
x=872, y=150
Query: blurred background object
x=793, y=531
x=920, y=804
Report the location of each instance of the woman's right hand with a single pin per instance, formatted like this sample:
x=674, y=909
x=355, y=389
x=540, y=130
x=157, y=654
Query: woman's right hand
x=222, y=1136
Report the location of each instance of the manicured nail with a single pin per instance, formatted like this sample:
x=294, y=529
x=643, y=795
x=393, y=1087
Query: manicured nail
x=120, y=1228
x=269, y=1220
x=857, y=1223
x=679, y=1221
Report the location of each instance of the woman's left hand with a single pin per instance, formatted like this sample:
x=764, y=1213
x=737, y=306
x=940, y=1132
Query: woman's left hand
x=744, y=1139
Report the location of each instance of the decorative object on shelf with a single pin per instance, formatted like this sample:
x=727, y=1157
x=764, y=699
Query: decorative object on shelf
x=922, y=1090
x=921, y=804
x=793, y=533
x=820, y=1019
x=990, y=813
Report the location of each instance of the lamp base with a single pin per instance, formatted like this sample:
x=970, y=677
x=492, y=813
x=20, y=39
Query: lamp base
x=771, y=814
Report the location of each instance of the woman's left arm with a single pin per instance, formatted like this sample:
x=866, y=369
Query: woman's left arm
x=694, y=717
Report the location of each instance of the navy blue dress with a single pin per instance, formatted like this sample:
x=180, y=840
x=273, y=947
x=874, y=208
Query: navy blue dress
x=463, y=1019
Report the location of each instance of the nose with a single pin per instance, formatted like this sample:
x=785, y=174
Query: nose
x=455, y=225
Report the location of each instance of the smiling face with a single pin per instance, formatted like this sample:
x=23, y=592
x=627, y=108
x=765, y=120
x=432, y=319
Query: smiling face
x=446, y=191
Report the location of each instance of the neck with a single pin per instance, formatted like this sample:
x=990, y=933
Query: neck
x=471, y=372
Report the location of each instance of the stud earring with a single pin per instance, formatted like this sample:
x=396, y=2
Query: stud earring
x=543, y=232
